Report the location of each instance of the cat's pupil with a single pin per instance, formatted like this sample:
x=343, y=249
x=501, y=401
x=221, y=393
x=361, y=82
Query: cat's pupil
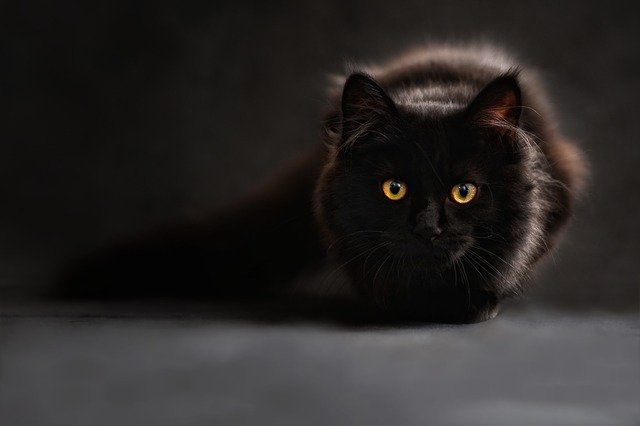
x=463, y=189
x=394, y=187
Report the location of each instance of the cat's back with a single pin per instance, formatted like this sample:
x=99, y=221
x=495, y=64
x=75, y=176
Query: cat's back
x=445, y=78
x=442, y=79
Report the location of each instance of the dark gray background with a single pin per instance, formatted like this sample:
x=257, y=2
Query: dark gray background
x=120, y=116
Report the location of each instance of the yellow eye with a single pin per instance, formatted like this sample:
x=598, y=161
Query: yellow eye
x=462, y=193
x=394, y=189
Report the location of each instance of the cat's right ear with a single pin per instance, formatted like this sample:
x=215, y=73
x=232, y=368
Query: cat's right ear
x=366, y=108
x=498, y=105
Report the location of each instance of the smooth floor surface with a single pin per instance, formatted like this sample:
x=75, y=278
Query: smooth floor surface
x=130, y=365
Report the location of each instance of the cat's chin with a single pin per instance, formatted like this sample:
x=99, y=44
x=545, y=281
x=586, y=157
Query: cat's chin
x=448, y=252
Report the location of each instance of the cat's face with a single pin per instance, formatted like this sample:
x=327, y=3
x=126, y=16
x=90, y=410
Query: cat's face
x=416, y=205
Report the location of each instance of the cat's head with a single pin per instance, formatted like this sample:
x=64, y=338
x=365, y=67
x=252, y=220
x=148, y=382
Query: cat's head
x=416, y=201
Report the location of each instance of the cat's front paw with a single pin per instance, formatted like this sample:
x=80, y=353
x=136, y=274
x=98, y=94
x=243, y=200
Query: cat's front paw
x=484, y=314
x=451, y=307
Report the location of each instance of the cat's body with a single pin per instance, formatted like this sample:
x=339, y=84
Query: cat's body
x=434, y=122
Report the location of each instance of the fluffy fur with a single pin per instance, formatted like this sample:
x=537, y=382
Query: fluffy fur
x=435, y=118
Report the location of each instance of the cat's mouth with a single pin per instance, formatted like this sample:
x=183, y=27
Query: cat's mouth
x=451, y=250
x=442, y=251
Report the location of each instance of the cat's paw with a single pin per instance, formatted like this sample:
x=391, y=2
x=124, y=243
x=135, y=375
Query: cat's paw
x=451, y=308
x=487, y=313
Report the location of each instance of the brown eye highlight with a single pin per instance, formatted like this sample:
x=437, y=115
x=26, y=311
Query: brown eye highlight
x=462, y=193
x=394, y=189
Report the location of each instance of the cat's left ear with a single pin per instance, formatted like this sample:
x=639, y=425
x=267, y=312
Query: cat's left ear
x=498, y=105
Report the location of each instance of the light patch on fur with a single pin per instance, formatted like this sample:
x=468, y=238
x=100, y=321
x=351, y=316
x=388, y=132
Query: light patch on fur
x=428, y=100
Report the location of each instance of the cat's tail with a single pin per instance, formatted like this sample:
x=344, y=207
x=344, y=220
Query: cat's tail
x=252, y=248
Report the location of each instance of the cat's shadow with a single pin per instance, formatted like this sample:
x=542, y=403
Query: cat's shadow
x=335, y=312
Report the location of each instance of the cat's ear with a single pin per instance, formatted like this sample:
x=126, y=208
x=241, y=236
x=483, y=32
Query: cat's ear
x=498, y=105
x=366, y=108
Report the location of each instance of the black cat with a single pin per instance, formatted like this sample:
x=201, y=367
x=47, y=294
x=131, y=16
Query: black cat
x=441, y=182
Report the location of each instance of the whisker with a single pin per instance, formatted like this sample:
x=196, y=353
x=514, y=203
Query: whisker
x=486, y=262
x=334, y=271
x=351, y=235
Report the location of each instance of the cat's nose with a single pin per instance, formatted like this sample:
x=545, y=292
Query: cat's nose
x=428, y=232
x=428, y=222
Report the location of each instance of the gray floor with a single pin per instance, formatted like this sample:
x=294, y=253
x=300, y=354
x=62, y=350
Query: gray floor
x=163, y=364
